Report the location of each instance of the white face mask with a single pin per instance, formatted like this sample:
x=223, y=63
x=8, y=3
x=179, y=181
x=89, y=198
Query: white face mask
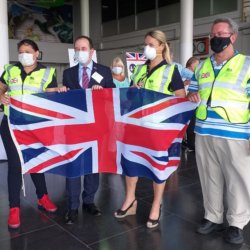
x=150, y=52
x=117, y=70
x=82, y=56
x=26, y=59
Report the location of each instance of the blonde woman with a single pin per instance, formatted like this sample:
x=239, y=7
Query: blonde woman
x=118, y=73
x=158, y=74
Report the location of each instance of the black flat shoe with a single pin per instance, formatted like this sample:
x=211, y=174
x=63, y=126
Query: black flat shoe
x=207, y=227
x=131, y=210
x=154, y=223
x=71, y=216
x=91, y=208
x=234, y=235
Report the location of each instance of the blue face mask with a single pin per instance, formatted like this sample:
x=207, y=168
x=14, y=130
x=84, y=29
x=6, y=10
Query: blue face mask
x=218, y=44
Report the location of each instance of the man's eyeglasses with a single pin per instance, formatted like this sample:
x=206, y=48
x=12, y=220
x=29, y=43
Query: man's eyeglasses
x=220, y=34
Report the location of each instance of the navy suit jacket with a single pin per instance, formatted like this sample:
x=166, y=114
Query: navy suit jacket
x=71, y=77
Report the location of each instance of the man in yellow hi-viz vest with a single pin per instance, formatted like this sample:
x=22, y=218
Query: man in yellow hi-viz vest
x=221, y=84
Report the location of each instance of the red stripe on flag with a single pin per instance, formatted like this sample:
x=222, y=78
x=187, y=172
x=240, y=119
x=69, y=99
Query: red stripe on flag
x=53, y=161
x=156, y=108
x=173, y=163
x=152, y=162
x=40, y=111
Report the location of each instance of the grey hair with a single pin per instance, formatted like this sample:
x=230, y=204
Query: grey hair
x=232, y=24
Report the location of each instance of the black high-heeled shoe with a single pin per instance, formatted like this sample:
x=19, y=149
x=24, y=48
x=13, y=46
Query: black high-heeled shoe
x=131, y=210
x=154, y=223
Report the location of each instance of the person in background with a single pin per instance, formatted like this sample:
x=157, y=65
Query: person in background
x=158, y=74
x=118, y=73
x=221, y=85
x=186, y=73
x=191, y=64
x=86, y=74
x=189, y=141
x=25, y=77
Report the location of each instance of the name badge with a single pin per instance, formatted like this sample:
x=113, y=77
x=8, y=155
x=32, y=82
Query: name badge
x=97, y=77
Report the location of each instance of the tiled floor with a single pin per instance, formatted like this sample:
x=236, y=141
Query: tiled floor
x=181, y=212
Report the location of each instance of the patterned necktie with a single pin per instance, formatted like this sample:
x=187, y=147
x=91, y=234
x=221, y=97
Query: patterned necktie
x=85, y=78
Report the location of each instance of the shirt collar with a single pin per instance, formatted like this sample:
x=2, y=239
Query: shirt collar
x=221, y=64
x=88, y=66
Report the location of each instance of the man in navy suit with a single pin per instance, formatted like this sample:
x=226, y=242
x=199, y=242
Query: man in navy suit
x=86, y=74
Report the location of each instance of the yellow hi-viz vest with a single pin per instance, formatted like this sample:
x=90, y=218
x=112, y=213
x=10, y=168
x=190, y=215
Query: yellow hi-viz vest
x=158, y=81
x=226, y=93
x=36, y=82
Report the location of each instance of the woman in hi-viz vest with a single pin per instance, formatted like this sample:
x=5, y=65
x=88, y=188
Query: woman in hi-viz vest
x=27, y=76
x=158, y=74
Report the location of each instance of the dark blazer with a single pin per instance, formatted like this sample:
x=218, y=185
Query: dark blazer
x=71, y=77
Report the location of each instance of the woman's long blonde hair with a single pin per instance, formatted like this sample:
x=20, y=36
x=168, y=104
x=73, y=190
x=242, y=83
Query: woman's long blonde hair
x=118, y=60
x=162, y=39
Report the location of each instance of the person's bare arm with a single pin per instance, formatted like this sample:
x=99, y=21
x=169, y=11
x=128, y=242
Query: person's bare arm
x=180, y=93
x=193, y=97
x=4, y=98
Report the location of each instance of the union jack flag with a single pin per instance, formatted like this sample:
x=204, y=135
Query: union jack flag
x=135, y=56
x=124, y=131
x=133, y=59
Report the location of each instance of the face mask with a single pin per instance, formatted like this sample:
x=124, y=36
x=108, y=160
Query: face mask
x=218, y=44
x=150, y=52
x=82, y=56
x=26, y=59
x=117, y=70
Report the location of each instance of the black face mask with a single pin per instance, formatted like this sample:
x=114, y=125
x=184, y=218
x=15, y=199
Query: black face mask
x=218, y=44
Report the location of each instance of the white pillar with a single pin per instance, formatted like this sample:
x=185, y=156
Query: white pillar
x=4, y=41
x=84, y=17
x=186, y=38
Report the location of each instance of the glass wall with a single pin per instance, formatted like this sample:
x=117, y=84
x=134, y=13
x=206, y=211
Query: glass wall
x=123, y=16
x=201, y=8
x=220, y=6
x=169, y=13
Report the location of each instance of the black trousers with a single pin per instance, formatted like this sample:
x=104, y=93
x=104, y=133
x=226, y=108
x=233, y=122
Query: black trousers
x=191, y=134
x=14, y=169
x=73, y=188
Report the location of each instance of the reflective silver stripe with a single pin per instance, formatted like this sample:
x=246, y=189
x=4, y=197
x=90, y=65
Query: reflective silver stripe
x=198, y=69
x=32, y=89
x=15, y=87
x=224, y=85
x=226, y=104
x=25, y=87
x=45, y=77
x=164, y=78
x=207, y=85
x=139, y=67
x=243, y=71
x=8, y=70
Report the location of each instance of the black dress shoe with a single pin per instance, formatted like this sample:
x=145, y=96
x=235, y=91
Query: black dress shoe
x=91, y=208
x=234, y=235
x=207, y=227
x=71, y=216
